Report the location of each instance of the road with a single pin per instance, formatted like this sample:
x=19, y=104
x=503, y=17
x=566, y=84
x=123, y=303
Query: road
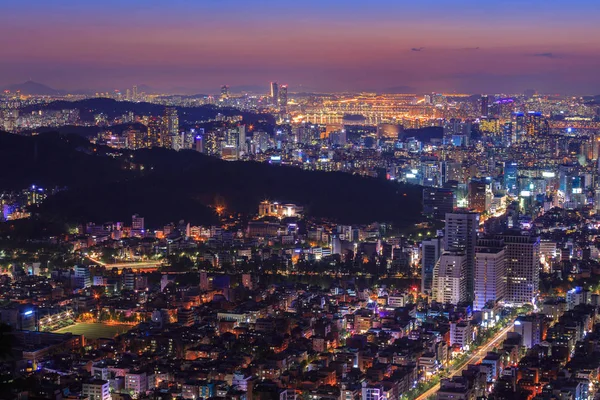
x=474, y=359
x=141, y=265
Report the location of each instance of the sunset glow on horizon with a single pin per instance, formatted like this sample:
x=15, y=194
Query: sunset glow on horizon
x=431, y=45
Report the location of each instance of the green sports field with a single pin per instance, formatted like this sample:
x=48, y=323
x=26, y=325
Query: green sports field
x=95, y=330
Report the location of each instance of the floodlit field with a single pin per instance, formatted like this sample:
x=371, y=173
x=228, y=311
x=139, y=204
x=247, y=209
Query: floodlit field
x=95, y=330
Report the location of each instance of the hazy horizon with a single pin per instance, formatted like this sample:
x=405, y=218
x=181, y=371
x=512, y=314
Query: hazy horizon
x=433, y=45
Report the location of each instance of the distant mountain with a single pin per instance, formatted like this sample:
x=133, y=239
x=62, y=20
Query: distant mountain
x=34, y=88
x=112, y=108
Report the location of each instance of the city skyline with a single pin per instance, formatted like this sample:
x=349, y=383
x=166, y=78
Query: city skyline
x=462, y=46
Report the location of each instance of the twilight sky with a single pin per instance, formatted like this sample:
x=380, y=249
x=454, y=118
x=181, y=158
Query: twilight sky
x=429, y=45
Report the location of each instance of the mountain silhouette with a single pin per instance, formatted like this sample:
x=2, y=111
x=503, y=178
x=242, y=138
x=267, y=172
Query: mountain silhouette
x=34, y=88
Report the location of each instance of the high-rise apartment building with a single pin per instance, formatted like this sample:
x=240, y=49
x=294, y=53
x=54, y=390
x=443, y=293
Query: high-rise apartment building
x=522, y=267
x=450, y=278
x=490, y=272
x=461, y=235
x=153, y=138
x=170, y=127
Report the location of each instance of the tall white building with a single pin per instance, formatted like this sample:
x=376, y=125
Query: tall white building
x=461, y=333
x=449, y=278
x=522, y=267
x=96, y=389
x=461, y=235
x=490, y=272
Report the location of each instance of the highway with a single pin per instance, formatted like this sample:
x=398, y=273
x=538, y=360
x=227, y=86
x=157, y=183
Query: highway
x=474, y=359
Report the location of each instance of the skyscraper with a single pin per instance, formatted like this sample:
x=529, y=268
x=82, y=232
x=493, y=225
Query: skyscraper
x=274, y=93
x=522, y=267
x=485, y=105
x=283, y=98
x=134, y=94
x=153, y=138
x=242, y=146
x=519, y=127
x=430, y=254
x=490, y=272
x=170, y=127
x=461, y=235
x=450, y=278
x=510, y=177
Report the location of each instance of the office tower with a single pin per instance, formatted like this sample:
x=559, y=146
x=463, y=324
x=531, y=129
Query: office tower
x=485, y=106
x=134, y=94
x=461, y=235
x=490, y=272
x=430, y=254
x=224, y=92
x=450, y=278
x=437, y=202
x=274, y=93
x=283, y=97
x=127, y=94
x=511, y=174
x=170, y=127
x=522, y=267
x=478, y=196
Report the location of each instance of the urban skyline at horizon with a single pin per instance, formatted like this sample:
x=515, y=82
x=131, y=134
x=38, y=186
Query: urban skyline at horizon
x=433, y=46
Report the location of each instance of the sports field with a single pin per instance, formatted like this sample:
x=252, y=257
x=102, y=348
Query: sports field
x=95, y=330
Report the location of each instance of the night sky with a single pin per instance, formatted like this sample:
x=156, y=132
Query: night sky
x=423, y=45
